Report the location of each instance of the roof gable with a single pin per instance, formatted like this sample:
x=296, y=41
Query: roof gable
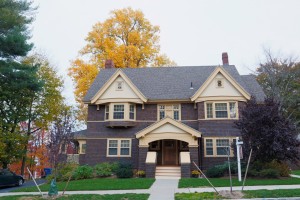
x=234, y=88
x=131, y=89
x=166, y=125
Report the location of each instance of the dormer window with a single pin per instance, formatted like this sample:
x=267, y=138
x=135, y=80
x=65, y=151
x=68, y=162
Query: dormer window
x=119, y=85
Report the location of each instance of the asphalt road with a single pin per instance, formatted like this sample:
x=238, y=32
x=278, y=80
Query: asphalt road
x=26, y=184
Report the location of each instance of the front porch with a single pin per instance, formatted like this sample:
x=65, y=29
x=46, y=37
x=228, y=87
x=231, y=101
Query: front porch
x=168, y=143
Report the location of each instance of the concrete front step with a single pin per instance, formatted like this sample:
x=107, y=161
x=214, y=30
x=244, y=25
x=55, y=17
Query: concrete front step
x=168, y=172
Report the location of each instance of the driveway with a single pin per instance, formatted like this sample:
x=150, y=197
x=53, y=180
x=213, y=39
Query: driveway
x=26, y=184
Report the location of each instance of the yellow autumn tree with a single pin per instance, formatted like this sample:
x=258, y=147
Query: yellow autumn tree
x=127, y=38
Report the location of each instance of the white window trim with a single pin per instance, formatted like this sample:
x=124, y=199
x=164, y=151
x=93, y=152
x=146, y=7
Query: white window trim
x=118, y=147
x=179, y=109
x=214, y=141
x=126, y=112
x=81, y=142
x=228, y=109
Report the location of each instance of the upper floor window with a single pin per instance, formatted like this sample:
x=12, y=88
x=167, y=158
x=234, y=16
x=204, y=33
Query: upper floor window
x=221, y=110
x=172, y=111
x=119, y=111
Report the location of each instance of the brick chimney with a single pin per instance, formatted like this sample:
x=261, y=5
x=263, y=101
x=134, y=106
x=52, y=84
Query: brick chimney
x=109, y=64
x=225, y=58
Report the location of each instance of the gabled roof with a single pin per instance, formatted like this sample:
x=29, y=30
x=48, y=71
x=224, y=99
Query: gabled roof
x=172, y=83
x=221, y=70
x=171, y=121
x=118, y=73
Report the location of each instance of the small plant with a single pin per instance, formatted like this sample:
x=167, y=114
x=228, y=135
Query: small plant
x=141, y=173
x=215, y=172
x=124, y=170
x=83, y=172
x=104, y=169
x=195, y=173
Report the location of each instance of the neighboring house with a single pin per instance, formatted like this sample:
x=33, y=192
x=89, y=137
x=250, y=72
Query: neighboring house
x=168, y=116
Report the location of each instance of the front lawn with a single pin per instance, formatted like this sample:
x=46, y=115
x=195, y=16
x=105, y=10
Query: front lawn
x=296, y=172
x=197, y=196
x=97, y=184
x=247, y=194
x=224, y=182
x=85, y=196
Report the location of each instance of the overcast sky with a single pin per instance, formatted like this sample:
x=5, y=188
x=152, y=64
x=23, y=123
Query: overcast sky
x=192, y=32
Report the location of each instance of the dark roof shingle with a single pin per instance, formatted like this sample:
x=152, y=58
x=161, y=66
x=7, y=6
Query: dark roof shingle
x=165, y=83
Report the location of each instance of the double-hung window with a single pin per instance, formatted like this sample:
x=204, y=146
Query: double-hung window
x=118, y=111
x=131, y=111
x=172, y=111
x=221, y=110
x=218, y=147
x=119, y=148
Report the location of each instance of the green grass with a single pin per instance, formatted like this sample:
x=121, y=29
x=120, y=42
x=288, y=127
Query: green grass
x=272, y=193
x=97, y=184
x=224, y=182
x=296, y=172
x=197, y=196
x=85, y=196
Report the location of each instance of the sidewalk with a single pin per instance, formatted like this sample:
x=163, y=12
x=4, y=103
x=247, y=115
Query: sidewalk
x=164, y=189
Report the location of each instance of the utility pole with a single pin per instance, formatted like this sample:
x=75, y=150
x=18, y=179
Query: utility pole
x=238, y=145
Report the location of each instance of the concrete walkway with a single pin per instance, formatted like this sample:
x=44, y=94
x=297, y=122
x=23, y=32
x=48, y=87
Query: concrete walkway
x=163, y=189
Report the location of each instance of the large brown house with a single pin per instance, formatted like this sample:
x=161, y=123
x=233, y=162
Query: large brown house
x=163, y=119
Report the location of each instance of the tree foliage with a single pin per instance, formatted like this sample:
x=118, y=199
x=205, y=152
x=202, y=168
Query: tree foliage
x=280, y=79
x=268, y=132
x=127, y=38
x=17, y=79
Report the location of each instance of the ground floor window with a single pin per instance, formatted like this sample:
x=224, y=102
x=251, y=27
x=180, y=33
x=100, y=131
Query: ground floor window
x=118, y=147
x=218, y=147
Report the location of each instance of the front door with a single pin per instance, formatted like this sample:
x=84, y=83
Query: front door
x=170, y=152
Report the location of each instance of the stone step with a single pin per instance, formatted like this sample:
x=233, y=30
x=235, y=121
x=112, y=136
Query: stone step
x=167, y=172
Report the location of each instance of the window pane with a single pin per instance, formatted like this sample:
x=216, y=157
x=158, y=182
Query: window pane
x=176, y=107
x=176, y=114
x=119, y=108
x=232, y=108
x=124, y=151
x=222, y=142
x=209, y=151
x=209, y=110
x=113, y=151
x=113, y=143
x=161, y=114
x=83, y=147
x=221, y=106
x=223, y=151
x=125, y=143
x=131, y=112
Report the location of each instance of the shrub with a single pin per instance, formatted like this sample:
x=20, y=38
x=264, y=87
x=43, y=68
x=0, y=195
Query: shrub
x=215, y=172
x=141, y=173
x=124, y=170
x=283, y=168
x=103, y=169
x=62, y=172
x=83, y=172
x=269, y=173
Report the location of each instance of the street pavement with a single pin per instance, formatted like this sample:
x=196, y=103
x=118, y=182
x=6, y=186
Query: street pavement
x=26, y=184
